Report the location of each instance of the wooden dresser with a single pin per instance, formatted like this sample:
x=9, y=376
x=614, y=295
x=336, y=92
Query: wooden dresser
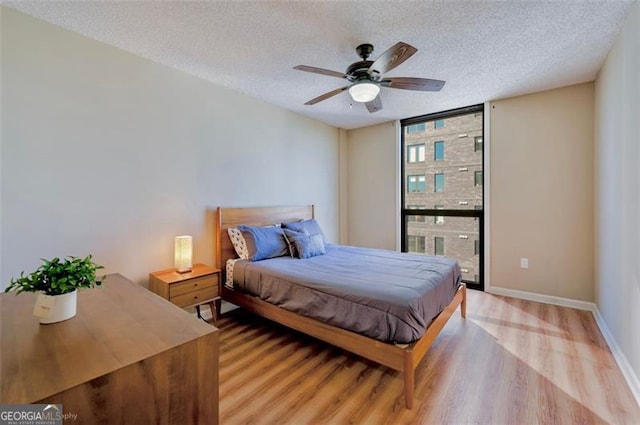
x=128, y=356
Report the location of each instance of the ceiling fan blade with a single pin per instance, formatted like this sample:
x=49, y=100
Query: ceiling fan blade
x=406, y=83
x=327, y=95
x=375, y=105
x=320, y=71
x=393, y=57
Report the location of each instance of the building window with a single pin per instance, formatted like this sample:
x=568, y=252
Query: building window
x=438, y=182
x=476, y=247
x=438, y=124
x=477, y=145
x=416, y=244
x=438, y=150
x=416, y=183
x=438, y=219
x=416, y=153
x=438, y=243
x=478, y=178
x=416, y=128
x=416, y=218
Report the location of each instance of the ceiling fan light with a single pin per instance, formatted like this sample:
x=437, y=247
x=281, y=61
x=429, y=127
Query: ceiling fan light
x=364, y=92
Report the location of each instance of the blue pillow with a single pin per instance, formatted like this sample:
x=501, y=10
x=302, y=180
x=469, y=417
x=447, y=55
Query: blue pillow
x=310, y=246
x=264, y=242
x=311, y=226
x=291, y=236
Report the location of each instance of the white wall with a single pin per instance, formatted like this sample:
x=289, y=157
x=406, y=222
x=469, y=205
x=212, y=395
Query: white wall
x=107, y=153
x=542, y=193
x=344, y=187
x=617, y=152
x=372, y=158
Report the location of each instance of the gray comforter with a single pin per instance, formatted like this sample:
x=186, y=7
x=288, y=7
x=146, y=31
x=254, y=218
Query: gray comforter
x=386, y=295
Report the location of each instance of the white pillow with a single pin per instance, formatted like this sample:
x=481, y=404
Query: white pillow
x=230, y=264
x=238, y=242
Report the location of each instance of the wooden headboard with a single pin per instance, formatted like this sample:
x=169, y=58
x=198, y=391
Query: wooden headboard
x=261, y=216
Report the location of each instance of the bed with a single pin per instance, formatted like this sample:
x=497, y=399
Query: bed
x=403, y=357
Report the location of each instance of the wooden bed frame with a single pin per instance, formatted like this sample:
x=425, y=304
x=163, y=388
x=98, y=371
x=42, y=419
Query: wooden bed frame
x=401, y=357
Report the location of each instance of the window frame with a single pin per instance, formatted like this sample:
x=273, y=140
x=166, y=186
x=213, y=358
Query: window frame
x=416, y=147
x=424, y=181
x=472, y=212
x=417, y=128
x=437, y=239
x=480, y=181
x=476, y=144
x=435, y=150
x=417, y=238
x=435, y=183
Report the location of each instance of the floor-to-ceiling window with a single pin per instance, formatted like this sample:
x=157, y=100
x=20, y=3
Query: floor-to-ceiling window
x=442, y=188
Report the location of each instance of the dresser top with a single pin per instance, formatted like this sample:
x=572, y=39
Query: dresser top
x=116, y=325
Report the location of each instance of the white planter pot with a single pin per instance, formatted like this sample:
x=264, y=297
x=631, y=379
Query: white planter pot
x=63, y=308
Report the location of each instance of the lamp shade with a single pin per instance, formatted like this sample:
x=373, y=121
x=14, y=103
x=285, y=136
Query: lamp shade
x=364, y=92
x=183, y=253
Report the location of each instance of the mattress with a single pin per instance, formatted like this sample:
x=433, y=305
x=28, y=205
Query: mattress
x=385, y=295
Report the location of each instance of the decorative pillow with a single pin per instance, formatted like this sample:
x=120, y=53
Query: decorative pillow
x=311, y=226
x=310, y=246
x=238, y=242
x=264, y=242
x=291, y=236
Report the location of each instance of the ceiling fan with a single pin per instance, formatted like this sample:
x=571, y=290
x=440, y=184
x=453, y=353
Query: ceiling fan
x=366, y=76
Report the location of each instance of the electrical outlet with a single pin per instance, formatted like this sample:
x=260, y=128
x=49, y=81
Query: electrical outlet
x=524, y=263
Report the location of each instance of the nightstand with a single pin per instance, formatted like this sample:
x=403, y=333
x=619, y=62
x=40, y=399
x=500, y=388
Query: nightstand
x=192, y=289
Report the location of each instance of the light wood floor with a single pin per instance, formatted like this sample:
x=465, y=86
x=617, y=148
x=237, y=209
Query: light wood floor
x=509, y=362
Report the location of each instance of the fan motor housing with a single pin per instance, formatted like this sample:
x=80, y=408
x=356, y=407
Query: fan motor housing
x=360, y=71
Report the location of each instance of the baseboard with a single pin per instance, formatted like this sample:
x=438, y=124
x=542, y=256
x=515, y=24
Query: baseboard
x=626, y=369
x=545, y=299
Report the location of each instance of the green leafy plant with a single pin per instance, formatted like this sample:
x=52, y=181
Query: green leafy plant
x=57, y=277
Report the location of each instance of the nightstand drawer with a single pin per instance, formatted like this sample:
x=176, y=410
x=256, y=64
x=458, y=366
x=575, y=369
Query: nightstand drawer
x=195, y=297
x=192, y=285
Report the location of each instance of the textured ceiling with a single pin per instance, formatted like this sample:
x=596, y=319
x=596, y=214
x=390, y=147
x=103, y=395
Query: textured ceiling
x=484, y=50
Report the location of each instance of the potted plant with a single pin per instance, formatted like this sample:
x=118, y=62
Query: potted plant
x=57, y=281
